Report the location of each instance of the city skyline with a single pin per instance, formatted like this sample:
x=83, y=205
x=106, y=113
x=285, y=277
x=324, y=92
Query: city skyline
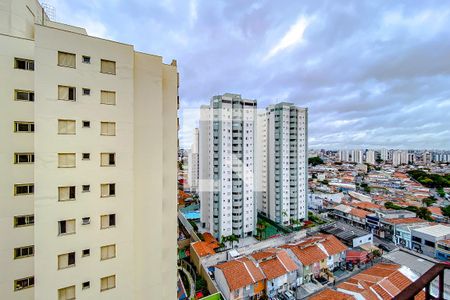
x=364, y=70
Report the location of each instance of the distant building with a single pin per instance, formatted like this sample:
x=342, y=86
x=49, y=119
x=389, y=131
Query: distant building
x=344, y=155
x=386, y=155
x=282, y=162
x=370, y=157
x=357, y=156
x=226, y=135
x=193, y=163
x=400, y=158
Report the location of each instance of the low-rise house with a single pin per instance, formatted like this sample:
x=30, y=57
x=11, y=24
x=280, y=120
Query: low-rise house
x=358, y=217
x=388, y=226
x=319, y=254
x=279, y=269
x=443, y=250
x=329, y=294
x=239, y=279
x=402, y=233
x=424, y=239
x=436, y=213
x=382, y=281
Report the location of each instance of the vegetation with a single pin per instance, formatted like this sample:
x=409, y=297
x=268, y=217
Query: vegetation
x=312, y=217
x=230, y=238
x=430, y=180
x=429, y=201
x=314, y=161
x=421, y=212
x=200, y=284
x=446, y=211
x=365, y=187
x=440, y=191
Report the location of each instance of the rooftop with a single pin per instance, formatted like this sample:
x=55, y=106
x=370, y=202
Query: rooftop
x=435, y=230
x=328, y=294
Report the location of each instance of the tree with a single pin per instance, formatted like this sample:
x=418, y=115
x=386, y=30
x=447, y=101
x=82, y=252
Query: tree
x=424, y=213
x=314, y=161
x=233, y=238
x=446, y=211
x=429, y=201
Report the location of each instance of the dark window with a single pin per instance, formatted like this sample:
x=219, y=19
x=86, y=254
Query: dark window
x=71, y=258
x=24, y=64
x=86, y=155
x=112, y=189
x=112, y=220
x=62, y=227
x=25, y=95
x=86, y=188
x=112, y=159
x=86, y=92
x=71, y=93
x=416, y=239
x=86, y=252
x=71, y=192
x=86, y=124
x=86, y=59
x=86, y=285
x=429, y=243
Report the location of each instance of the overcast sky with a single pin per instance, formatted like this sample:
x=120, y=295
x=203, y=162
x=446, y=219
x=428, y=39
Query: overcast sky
x=372, y=73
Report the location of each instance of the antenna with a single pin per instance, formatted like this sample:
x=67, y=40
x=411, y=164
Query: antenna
x=49, y=11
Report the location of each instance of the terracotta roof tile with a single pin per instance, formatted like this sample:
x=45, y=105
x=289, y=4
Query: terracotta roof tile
x=240, y=273
x=203, y=248
x=274, y=262
x=329, y=294
x=404, y=220
x=360, y=213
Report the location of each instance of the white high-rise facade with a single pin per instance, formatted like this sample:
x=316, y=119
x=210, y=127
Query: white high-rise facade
x=226, y=181
x=357, y=156
x=400, y=157
x=282, y=163
x=89, y=145
x=385, y=154
x=344, y=155
x=193, y=163
x=370, y=157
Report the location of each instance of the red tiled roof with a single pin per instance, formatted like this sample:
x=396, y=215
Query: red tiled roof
x=435, y=210
x=329, y=294
x=359, y=213
x=383, y=281
x=366, y=205
x=202, y=248
x=240, y=273
x=308, y=252
x=404, y=220
x=274, y=262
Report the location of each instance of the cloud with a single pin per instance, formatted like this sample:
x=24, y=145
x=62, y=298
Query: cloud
x=291, y=38
x=372, y=73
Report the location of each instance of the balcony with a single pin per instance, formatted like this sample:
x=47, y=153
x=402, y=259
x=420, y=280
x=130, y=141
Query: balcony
x=424, y=281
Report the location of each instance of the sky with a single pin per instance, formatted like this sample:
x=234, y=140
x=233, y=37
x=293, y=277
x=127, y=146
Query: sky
x=371, y=73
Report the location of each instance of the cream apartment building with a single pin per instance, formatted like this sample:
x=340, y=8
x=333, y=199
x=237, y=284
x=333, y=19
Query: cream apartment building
x=88, y=162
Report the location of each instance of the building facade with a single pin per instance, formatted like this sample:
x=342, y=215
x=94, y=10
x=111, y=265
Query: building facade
x=282, y=162
x=91, y=131
x=193, y=163
x=227, y=129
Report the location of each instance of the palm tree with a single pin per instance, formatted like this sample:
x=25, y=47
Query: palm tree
x=233, y=238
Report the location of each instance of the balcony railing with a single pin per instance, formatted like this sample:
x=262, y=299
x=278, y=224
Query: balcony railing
x=424, y=281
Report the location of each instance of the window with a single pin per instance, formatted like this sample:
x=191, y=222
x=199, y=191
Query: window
x=66, y=193
x=86, y=124
x=108, y=189
x=23, y=158
x=86, y=252
x=86, y=188
x=22, y=252
x=24, y=189
x=416, y=239
x=66, y=260
x=23, y=283
x=108, y=252
x=66, y=160
x=67, y=293
x=86, y=156
x=66, y=93
x=86, y=285
x=24, y=64
x=108, y=221
x=108, y=67
x=66, y=127
x=20, y=126
x=66, y=59
x=20, y=95
x=86, y=221
x=108, y=128
x=108, y=97
x=20, y=221
x=86, y=92
x=66, y=227
x=429, y=243
x=107, y=283
x=86, y=59
x=107, y=159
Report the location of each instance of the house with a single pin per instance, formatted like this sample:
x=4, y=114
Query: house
x=279, y=269
x=387, y=227
x=402, y=233
x=382, y=281
x=443, y=250
x=424, y=239
x=436, y=213
x=356, y=257
x=329, y=294
x=239, y=279
x=318, y=254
